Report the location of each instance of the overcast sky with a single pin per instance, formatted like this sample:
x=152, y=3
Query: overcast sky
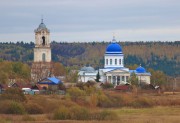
x=91, y=20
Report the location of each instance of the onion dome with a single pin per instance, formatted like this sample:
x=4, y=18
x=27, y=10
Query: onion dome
x=42, y=26
x=140, y=69
x=114, y=48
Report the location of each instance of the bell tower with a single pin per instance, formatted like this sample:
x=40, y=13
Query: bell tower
x=42, y=50
x=41, y=66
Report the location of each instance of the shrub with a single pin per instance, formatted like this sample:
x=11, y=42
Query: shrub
x=104, y=101
x=104, y=115
x=62, y=113
x=12, y=107
x=75, y=93
x=15, y=94
x=89, y=90
x=79, y=113
x=93, y=100
x=142, y=102
x=107, y=85
x=33, y=108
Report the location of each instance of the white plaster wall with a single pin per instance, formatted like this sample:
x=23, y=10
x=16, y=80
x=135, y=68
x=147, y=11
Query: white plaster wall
x=113, y=61
x=144, y=78
x=38, y=54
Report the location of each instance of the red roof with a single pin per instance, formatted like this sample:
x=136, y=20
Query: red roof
x=122, y=87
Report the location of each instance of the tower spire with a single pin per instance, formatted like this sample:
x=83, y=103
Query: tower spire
x=41, y=18
x=113, y=40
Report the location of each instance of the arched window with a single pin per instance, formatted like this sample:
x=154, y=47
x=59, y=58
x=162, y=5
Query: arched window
x=115, y=61
x=119, y=61
x=43, y=57
x=43, y=40
x=106, y=61
x=110, y=61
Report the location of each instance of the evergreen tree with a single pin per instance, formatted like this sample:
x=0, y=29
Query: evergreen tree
x=97, y=77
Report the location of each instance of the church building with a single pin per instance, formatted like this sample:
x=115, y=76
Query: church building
x=41, y=66
x=114, y=70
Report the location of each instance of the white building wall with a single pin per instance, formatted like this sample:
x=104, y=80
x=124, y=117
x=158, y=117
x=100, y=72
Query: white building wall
x=38, y=54
x=113, y=57
x=41, y=49
x=144, y=78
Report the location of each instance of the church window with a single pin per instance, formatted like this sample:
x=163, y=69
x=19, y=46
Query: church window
x=43, y=40
x=43, y=57
x=122, y=78
x=127, y=78
x=110, y=61
x=115, y=61
x=120, y=61
x=106, y=61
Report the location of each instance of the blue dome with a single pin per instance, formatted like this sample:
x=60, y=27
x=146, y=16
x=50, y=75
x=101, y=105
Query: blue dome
x=114, y=48
x=140, y=70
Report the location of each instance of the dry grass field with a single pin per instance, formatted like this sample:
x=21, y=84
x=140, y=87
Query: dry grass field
x=127, y=108
x=165, y=110
x=125, y=115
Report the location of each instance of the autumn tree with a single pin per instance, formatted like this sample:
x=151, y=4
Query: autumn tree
x=58, y=69
x=157, y=77
x=133, y=79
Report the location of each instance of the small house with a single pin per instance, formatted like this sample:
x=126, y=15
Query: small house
x=49, y=83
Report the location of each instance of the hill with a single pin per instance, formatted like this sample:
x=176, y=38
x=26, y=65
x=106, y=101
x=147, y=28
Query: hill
x=164, y=56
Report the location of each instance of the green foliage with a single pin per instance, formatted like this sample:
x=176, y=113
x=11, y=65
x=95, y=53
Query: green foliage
x=158, y=77
x=163, y=56
x=133, y=79
x=11, y=107
x=14, y=70
x=97, y=77
x=75, y=93
x=15, y=94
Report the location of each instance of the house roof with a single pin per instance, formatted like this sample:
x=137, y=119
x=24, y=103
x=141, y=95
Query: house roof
x=3, y=86
x=50, y=81
x=21, y=85
x=122, y=87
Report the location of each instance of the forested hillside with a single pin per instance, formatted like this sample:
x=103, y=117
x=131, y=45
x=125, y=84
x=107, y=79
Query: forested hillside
x=164, y=56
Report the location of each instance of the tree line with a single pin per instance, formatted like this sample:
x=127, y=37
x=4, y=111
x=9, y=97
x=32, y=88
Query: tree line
x=163, y=56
